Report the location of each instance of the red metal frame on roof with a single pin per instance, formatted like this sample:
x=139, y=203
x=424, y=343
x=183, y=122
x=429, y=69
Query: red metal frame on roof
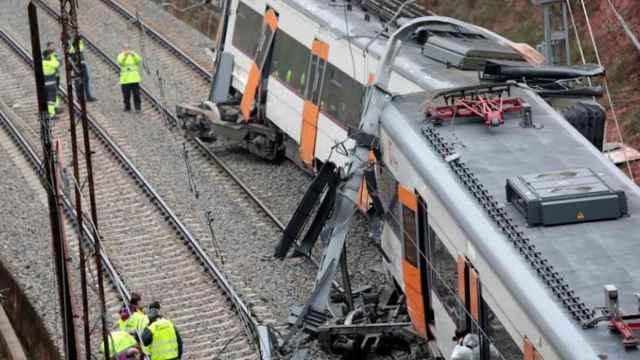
x=490, y=109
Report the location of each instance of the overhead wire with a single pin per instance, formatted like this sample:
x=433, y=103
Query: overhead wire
x=608, y=92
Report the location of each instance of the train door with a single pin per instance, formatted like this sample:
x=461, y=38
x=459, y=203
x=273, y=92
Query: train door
x=263, y=50
x=474, y=316
x=311, y=110
x=415, y=270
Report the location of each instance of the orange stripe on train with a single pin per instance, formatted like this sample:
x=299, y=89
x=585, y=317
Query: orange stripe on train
x=309, y=131
x=413, y=292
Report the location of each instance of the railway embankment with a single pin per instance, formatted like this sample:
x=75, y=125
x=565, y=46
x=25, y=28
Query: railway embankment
x=27, y=281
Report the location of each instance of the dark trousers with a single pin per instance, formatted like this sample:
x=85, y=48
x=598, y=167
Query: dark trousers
x=127, y=91
x=86, y=78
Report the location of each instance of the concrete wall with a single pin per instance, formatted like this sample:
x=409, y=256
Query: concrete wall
x=26, y=322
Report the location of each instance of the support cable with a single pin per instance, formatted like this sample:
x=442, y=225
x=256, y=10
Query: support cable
x=214, y=242
x=625, y=26
x=575, y=31
x=608, y=92
x=193, y=188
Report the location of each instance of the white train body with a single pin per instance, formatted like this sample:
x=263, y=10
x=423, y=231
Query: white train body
x=349, y=68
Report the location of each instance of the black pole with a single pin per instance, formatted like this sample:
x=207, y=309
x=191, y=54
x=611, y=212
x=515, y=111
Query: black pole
x=51, y=185
x=71, y=71
x=69, y=20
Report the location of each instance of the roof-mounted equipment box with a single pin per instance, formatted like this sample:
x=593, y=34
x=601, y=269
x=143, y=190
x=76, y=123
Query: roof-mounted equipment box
x=564, y=197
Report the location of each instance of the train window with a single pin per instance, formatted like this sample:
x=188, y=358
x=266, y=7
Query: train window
x=342, y=97
x=315, y=75
x=247, y=29
x=388, y=191
x=444, y=274
x=500, y=338
x=264, y=45
x=494, y=341
x=387, y=185
x=410, y=241
x=289, y=61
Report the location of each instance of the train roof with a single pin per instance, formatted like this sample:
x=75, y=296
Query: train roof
x=588, y=255
x=368, y=35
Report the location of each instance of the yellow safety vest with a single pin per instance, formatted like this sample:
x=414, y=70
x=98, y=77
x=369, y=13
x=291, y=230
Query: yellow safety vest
x=136, y=322
x=50, y=66
x=165, y=342
x=129, y=72
x=119, y=341
x=72, y=49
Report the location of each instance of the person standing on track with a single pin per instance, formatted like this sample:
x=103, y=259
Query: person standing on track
x=161, y=336
x=53, y=56
x=129, y=62
x=84, y=70
x=50, y=67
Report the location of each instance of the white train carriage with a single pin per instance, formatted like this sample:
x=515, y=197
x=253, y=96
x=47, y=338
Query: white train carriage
x=456, y=268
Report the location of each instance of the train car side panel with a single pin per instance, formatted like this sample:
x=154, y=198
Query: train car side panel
x=456, y=242
x=284, y=108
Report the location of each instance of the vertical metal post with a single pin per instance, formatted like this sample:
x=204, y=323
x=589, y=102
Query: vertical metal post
x=565, y=29
x=548, y=46
x=71, y=73
x=346, y=282
x=57, y=242
x=555, y=35
x=69, y=20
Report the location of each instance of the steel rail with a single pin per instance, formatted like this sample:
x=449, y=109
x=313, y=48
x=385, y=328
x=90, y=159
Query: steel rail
x=242, y=309
x=160, y=107
x=159, y=38
x=167, y=44
x=34, y=160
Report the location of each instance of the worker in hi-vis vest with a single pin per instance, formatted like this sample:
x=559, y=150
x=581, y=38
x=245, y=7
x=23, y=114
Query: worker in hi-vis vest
x=129, y=62
x=161, y=337
x=53, y=54
x=133, y=319
x=84, y=71
x=122, y=346
x=50, y=67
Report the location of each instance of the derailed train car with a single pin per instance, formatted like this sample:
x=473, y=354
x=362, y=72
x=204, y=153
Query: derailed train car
x=499, y=216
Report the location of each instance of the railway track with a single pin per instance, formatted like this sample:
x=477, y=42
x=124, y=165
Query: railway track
x=151, y=249
x=202, y=67
x=159, y=110
x=26, y=157
x=280, y=285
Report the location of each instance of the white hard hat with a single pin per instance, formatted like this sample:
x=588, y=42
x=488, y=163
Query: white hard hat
x=471, y=341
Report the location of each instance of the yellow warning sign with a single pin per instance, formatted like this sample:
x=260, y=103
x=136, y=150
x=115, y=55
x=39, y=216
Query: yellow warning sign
x=579, y=216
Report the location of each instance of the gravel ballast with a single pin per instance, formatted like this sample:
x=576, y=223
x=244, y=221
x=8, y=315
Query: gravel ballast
x=25, y=237
x=246, y=237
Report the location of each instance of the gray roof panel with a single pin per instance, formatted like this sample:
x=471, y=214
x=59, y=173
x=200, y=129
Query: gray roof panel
x=588, y=255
